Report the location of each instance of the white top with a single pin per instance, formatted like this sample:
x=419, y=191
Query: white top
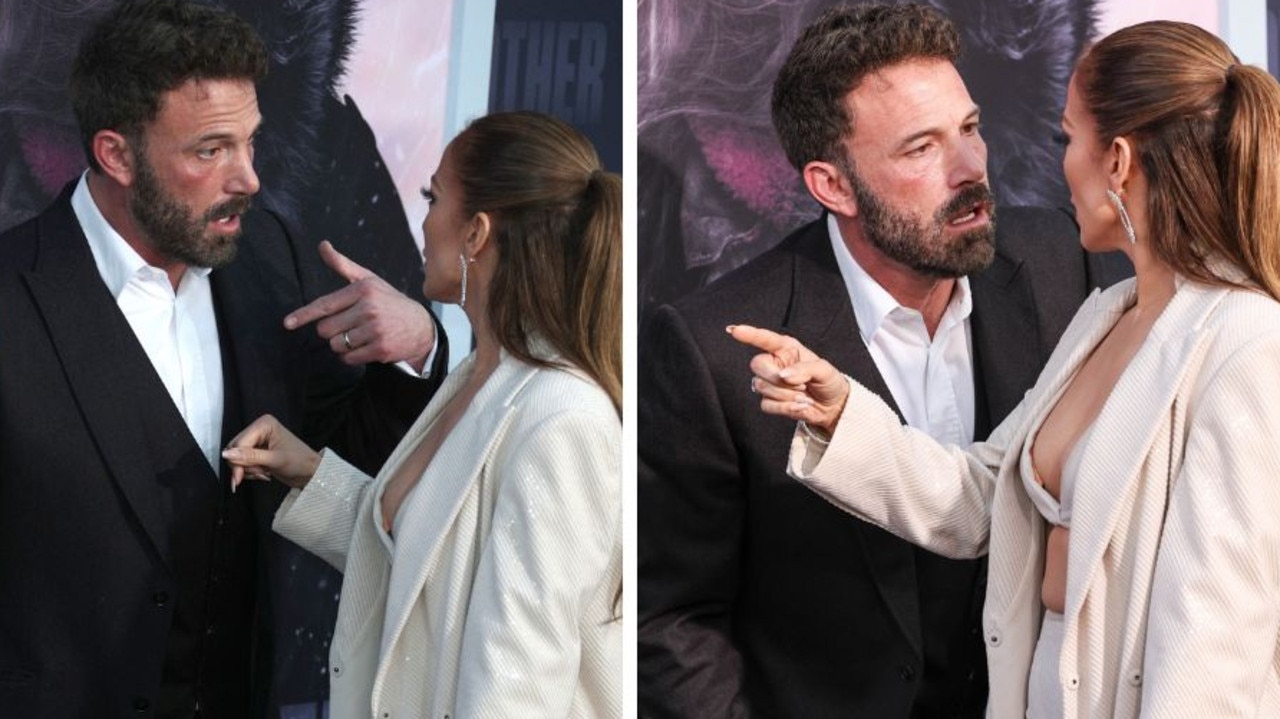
x=931, y=380
x=177, y=330
x=1055, y=511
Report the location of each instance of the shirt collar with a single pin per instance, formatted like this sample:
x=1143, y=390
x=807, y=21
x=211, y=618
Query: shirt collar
x=117, y=261
x=872, y=303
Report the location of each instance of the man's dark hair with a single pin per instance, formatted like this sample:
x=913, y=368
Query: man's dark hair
x=146, y=48
x=831, y=58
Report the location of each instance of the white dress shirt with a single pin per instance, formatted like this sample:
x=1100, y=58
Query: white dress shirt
x=178, y=330
x=930, y=379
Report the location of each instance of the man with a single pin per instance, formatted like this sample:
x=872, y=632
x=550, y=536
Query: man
x=757, y=598
x=140, y=334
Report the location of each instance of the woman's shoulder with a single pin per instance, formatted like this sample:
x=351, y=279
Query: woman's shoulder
x=1242, y=314
x=1243, y=328
x=552, y=387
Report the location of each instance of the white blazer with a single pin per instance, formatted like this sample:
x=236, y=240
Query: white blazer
x=1173, y=574
x=496, y=597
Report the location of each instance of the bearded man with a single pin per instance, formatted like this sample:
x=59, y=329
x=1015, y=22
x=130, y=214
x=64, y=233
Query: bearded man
x=756, y=597
x=142, y=326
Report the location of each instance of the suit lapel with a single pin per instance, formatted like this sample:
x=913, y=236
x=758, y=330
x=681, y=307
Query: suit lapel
x=108, y=372
x=820, y=309
x=1007, y=348
x=250, y=327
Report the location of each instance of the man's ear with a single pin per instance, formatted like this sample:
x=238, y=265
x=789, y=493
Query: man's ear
x=830, y=188
x=115, y=156
x=480, y=235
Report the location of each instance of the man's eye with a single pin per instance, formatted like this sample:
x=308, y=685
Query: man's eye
x=429, y=196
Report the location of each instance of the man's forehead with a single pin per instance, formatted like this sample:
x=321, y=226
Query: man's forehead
x=210, y=101
x=901, y=98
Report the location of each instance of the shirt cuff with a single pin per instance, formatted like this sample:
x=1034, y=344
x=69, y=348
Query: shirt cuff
x=426, y=366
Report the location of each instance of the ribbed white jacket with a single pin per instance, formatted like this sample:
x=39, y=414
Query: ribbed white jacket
x=496, y=598
x=1173, y=577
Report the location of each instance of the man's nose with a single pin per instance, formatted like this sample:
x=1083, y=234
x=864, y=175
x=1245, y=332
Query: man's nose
x=243, y=180
x=969, y=162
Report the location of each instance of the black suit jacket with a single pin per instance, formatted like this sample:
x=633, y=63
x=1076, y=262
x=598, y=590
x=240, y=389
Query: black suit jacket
x=758, y=598
x=101, y=484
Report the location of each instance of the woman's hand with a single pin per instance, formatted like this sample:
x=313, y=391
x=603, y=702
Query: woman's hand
x=265, y=449
x=793, y=381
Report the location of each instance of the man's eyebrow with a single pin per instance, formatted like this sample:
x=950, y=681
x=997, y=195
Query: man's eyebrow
x=974, y=114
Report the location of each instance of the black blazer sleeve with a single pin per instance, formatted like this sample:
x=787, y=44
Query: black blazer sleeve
x=691, y=517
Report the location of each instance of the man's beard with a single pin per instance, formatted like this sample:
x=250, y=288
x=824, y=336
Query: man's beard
x=173, y=230
x=925, y=248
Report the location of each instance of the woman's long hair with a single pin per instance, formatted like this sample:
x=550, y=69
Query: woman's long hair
x=557, y=218
x=1206, y=131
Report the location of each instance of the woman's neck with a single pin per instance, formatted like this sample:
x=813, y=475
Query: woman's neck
x=1154, y=281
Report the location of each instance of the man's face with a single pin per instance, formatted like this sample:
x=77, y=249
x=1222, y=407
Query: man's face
x=193, y=176
x=918, y=169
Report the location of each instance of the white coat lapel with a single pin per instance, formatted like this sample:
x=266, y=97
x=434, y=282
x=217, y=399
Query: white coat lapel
x=1126, y=428
x=1017, y=521
x=368, y=535
x=434, y=503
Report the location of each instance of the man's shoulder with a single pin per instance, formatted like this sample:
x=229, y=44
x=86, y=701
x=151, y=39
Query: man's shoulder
x=18, y=244
x=760, y=281
x=1037, y=234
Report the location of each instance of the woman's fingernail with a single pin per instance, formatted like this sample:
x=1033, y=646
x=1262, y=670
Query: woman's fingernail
x=729, y=328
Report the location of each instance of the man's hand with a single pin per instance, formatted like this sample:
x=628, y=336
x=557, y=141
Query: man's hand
x=368, y=320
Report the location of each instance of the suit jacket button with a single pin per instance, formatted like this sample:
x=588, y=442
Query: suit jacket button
x=141, y=705
x=907, y=672
x=160, y=598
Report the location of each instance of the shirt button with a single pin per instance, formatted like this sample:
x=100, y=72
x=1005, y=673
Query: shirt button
x=337, y=670
x=993, y=639
x=1073, y=683
x=1135, y=679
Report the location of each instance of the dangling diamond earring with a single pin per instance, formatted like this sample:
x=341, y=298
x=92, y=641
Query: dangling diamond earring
x=462, y=262
x=1124, y=215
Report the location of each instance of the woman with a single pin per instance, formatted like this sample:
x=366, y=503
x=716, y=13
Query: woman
x=483, y=564
x=1129, y=504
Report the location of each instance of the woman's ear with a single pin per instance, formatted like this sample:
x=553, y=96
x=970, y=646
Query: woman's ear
x=114, y=156
x=480, y=235
x=1122, y=162
x=830, y=188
